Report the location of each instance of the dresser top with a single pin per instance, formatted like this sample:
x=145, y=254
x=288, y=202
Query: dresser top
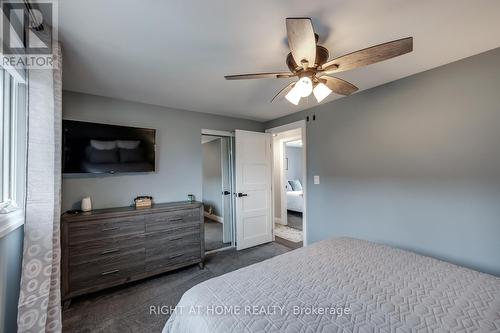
x=130, y=210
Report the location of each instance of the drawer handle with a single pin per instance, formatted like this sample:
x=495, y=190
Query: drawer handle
x=110, y=272
x=176, y=219
x=110, y=251
x=111, y=229
x=176, y=256
x=177, y=238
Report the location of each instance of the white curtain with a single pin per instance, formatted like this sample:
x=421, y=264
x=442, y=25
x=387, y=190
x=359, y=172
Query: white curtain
x=39, y=308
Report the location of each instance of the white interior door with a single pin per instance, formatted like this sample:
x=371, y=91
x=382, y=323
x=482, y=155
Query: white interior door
x=253, y=189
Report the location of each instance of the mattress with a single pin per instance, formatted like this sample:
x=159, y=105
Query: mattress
x=295, y=201
x=342, y=285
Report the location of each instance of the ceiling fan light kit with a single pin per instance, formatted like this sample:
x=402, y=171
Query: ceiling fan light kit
x=309, y=62
x=304, y=87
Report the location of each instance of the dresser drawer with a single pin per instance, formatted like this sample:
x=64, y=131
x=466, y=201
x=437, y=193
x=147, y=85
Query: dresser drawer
x=174, y=234
x=165, y=243
x=169, y=248
x=107, y=271
x=166, y=260
x=94, y=250
x=162, y=221
x=81, y=232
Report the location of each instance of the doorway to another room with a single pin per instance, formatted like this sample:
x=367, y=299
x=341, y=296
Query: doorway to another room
x=217, y=190
x=289, y=182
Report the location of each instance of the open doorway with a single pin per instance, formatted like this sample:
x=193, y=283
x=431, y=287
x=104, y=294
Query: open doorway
x=289, y=184
x=217, y=189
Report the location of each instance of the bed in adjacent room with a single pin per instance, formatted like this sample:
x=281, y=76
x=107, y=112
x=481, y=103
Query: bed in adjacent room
x=295, y=201
x=295, y=196
x=342, y=285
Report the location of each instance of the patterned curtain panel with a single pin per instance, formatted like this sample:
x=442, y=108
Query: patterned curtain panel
x=40, y=299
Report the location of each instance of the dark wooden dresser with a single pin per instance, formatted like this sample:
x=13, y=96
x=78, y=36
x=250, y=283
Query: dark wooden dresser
x=109, y=247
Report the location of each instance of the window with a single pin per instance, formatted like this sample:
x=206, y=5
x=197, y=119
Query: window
x=13, y=145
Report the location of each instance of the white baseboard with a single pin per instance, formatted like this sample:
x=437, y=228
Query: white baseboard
x=213, y=217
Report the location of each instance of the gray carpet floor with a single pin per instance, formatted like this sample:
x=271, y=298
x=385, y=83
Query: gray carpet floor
x=127, y=308
x=294, y=220
x=213, y=235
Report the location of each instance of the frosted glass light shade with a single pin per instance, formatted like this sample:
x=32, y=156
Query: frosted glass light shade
x=321, y=91
x=294, y=95
x=305, y=86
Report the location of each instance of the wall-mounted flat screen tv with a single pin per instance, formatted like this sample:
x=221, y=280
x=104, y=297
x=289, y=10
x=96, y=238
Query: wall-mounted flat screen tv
x=101, y=148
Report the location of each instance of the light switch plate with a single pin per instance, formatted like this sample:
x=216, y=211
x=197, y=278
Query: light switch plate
x=316, y=180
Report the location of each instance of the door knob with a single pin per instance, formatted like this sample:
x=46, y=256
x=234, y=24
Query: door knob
x=242, y=195
x=226, y=193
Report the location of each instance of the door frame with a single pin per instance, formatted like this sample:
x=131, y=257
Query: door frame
x=287, y=127
x=231, y=176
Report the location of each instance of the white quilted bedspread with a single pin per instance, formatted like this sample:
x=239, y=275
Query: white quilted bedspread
x=342, y=285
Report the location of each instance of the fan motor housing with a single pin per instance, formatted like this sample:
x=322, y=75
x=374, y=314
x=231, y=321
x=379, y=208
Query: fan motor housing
x=321, y=57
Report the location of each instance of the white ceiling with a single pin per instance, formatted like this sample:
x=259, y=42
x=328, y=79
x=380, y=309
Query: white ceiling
x=176, y=53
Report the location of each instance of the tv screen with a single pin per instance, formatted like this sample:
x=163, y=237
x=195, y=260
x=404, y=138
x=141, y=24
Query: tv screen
x=101, y=148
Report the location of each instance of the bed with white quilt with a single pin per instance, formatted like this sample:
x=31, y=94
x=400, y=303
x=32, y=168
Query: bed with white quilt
x=295, y=201
x=342, y=285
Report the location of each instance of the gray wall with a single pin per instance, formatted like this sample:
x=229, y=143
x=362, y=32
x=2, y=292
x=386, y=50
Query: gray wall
x=294, y=155
x=212, y=176
x=179, y=154
x=414, y=163
x=11, y=253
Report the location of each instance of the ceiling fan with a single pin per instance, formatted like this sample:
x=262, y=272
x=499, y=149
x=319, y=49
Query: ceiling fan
x=308, y=61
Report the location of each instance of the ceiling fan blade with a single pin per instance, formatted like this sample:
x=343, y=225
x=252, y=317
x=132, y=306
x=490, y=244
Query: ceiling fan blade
x=279, y=75
x=301, y=40
x=369, y=55
x=338, y=86
x=283, y=92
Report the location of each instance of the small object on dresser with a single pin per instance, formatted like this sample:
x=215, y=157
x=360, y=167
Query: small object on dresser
x=86, y=204
x=143, y=202
x=191, y=197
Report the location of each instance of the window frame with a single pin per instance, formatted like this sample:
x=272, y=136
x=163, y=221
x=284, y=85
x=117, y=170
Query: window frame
x=13, y=129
